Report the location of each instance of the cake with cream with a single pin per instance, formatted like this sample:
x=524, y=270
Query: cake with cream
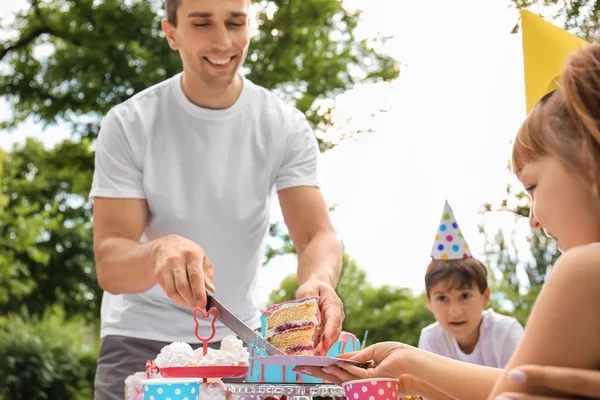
x=292, y=326
x=181, y=354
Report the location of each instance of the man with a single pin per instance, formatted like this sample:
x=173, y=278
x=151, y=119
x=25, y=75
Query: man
x=184, y=178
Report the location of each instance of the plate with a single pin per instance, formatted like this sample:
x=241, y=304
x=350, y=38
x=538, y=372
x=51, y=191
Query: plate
x=312, y=361
x=205, y=371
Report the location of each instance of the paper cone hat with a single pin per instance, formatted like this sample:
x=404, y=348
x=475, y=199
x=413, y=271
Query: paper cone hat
x=449, y=242
x=545, y=49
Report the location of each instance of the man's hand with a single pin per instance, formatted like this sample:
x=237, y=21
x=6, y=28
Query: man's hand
x=332, y=311
x=183, y=270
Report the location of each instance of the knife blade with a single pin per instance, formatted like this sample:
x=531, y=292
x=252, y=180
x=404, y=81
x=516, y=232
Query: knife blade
x=238, y=327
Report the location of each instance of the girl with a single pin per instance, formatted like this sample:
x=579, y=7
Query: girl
x=556, y=156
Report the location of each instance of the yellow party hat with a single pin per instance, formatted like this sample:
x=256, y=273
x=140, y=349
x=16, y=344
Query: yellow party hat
x=449, y=241
x=545, y=49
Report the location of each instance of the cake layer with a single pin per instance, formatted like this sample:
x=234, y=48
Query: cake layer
x=290, y=341
x=292, y=325
x=293, y=313
x=290, y=303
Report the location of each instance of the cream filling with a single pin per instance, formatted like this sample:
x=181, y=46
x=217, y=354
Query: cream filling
x=271, y=332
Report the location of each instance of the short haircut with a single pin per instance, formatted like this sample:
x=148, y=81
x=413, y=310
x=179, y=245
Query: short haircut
x=171, y=7
x=460, y=274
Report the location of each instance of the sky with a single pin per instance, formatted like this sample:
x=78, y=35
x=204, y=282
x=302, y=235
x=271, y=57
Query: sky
x=445, y=136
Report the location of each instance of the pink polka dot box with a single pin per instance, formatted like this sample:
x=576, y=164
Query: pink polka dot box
x=372, y=389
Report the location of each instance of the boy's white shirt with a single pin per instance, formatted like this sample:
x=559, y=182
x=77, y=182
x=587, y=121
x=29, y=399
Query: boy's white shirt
x=498, y=339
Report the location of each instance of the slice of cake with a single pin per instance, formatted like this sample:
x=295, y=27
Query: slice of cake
x=293, y=325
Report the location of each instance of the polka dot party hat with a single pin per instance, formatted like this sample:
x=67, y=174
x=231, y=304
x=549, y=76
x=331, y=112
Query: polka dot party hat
x=449, y=242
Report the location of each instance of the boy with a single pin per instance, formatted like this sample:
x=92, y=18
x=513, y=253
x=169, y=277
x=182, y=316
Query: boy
x=458, y=295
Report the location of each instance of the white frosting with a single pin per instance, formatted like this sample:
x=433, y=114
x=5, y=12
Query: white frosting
x=212, y=391
x=236, y=347
x=219, y=357
x=198, y=355
x=293, y=304
x=176, y=354
x=133, y=386
x=179, y=354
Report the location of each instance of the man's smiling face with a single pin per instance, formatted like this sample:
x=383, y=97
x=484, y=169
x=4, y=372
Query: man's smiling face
x=212, y=37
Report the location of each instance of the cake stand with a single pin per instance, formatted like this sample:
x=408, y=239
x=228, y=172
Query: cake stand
x=256, y=391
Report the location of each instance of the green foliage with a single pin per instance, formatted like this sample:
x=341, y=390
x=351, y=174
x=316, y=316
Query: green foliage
x=510, y=294
x=44, y=359
x=306, y=50
x=520, y=302
x=388, y=313
x=279, y=232
x=3, y=197
x=582, y=17
x=46, y=252
x=287, y=290
x=98, y=54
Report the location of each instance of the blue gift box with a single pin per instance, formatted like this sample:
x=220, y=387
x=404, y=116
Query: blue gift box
x=171, y=389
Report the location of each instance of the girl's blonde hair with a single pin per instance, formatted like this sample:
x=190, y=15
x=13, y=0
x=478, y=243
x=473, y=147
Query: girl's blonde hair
x=566, y=123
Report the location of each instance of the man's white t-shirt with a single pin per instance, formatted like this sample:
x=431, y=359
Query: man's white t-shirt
x=499, y=336
x=207, y=175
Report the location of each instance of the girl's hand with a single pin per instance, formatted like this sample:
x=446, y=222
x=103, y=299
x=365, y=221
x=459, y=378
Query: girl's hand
x=386, y=362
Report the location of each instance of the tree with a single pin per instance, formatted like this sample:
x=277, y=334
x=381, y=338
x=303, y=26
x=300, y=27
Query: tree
x=503, y=256
x=72, y=60
x=278, y=231
x=388, y=313
x=45, y=358
x=101, y=53
x=582, y=17
x=3, y=197
x=45, y=231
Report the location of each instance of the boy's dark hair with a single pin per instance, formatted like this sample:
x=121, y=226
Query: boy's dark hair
x=461, y=274
x=171, y=7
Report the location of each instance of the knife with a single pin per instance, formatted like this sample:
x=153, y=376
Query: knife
x=238, y=327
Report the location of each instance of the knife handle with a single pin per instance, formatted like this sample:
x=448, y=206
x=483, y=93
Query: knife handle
x=209, y=296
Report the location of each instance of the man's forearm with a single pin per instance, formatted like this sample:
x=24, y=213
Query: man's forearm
x=124, y=266
x=321, y=259
x=448, y=375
